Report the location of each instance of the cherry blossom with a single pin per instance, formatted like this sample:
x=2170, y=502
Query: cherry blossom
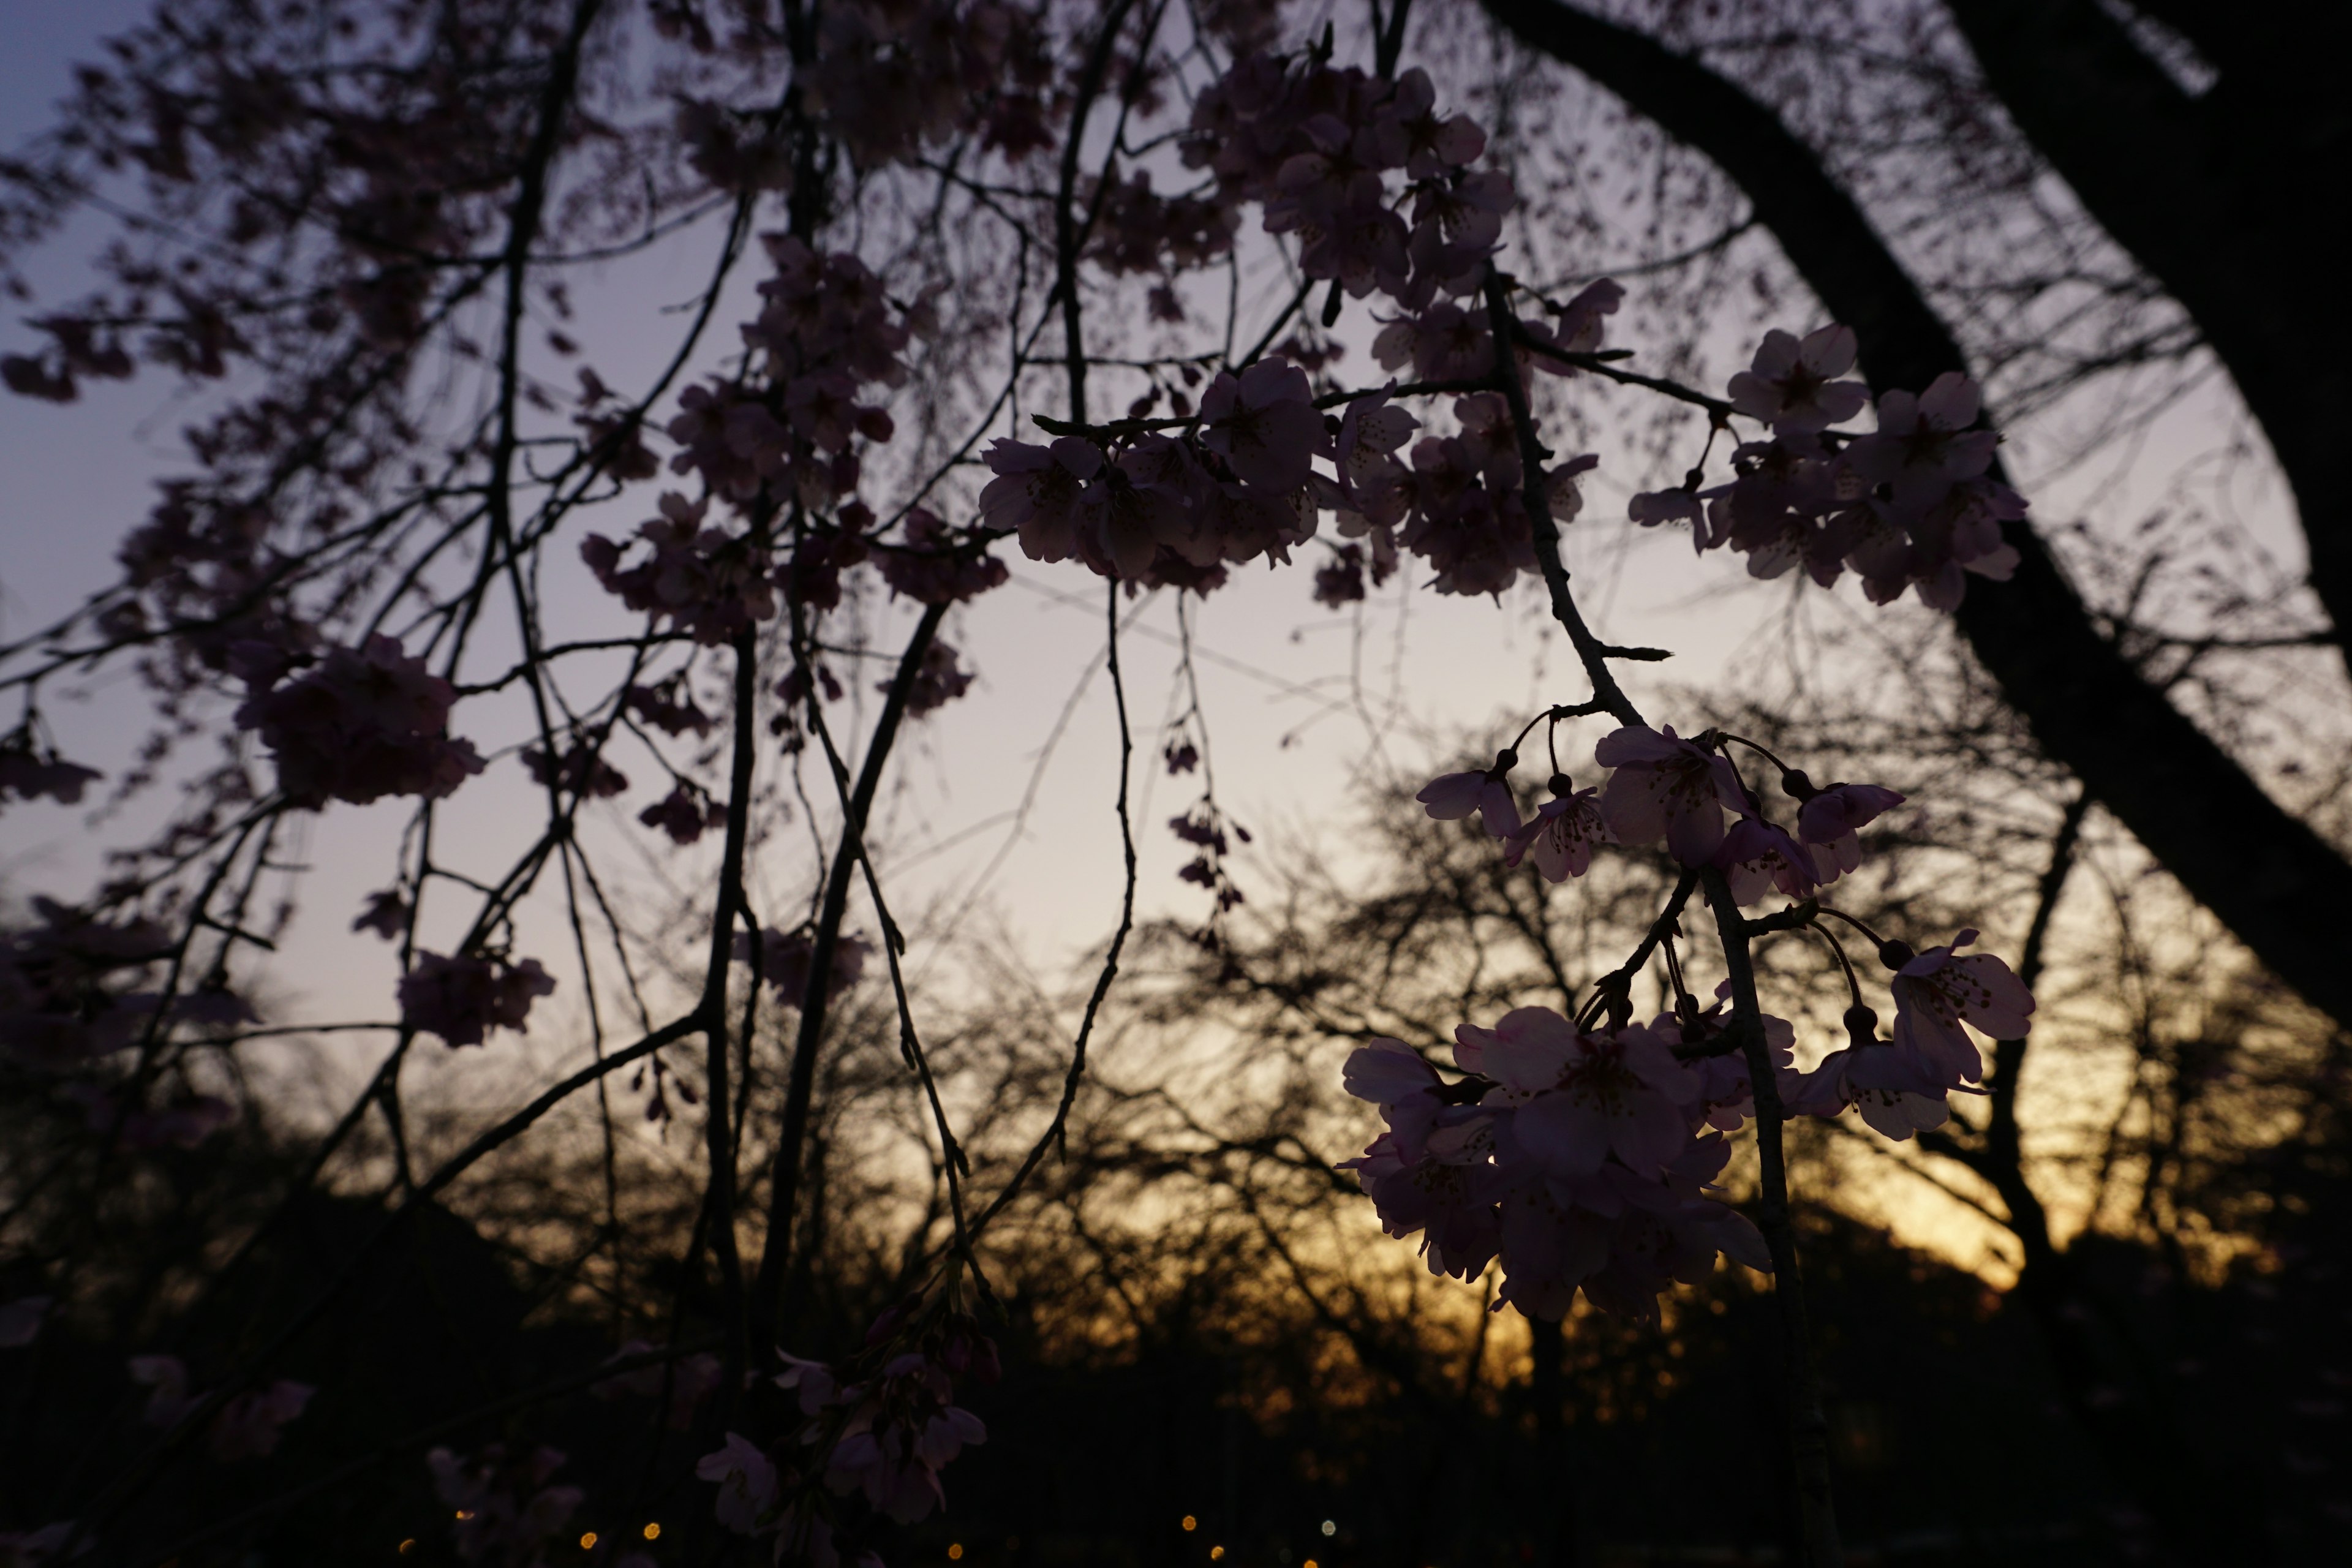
x=1833, y=816
x=505, y=1506
x=1756, y=855
x=747, y=1483
x=1793, y=384
x=21, y=1320
x=1035, y=493
x=462, y=998
x=1887, y=1086
x=932, y=566
x=65, y=986
x=1582, y=1097
x=1264, y=423
x=29, y=772
x=386, y=913
x=710, y=584
x=1923, y=444
x=580, y=770
x=1573, y=1153
x=1561, y=834
x=938, y=679
x=1665, y=787
x=785, y=958
x=685, y=813
x=1938, y=990
x=1370, y=433
x=245, y=1426
x=364, y=723
x=1450, y=797
x=249, y=1425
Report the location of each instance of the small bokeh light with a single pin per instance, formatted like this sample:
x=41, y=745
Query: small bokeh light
x=1217, y=1554
x=1330, y=1527
x=408, y=1546
x=588, y=1542
x=653, y=1532
x=1192, y=1523
x=955, y=1551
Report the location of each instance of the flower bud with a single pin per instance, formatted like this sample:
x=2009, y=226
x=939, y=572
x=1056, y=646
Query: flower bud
x=1797, y=786
x=1562, y=786
x=1896, y=954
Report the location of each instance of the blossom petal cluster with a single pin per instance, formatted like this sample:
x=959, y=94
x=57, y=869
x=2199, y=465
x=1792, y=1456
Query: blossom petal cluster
x=361, y=724
x=463, y=997
x=1910, y=505
x=787, y=958
x=1581, y=1157
x=246, y=1427
x=1663, y=787
x=507, y=1509
x=883, y=1440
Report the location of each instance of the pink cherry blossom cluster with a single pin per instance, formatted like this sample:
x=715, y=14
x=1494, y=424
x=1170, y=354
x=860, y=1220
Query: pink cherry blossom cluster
x=708, y=582
x=884, y=1440
x=463, y=998
x=686, y=812
x=1446, y=1162
x=507, y=1512
x=1581, y=1151
x=66, y=986
x=931, y=564
x=1663, y=787
x=21, y=1320
x=827, y=334
x=1459, y=506
x=1581, y=1155
x=1315, y=144
x=246, y=1427
x=894, y=75
x=786, y=959
x=1909, y=505
x=580, y=769
x=31, y=771
x=1169, y=509
x=361, y=724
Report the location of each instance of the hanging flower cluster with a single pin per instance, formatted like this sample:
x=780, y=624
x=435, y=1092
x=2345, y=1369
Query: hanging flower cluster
x=246, y=1427
x=462, y=998
x=1580, y=1156
x=1579, y=1151
x=361, y=724
x=507, y=1512
x=1176, y=501
x=1907, y=506
x=882, y=1441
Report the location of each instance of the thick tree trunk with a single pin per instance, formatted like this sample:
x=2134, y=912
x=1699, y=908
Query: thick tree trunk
x=2218, y=196
x=2279, y=887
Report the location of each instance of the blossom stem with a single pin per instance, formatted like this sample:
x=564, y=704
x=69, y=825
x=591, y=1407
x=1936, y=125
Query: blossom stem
x=1801, y=1384
x=1535, y=498
x=1875, y=940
